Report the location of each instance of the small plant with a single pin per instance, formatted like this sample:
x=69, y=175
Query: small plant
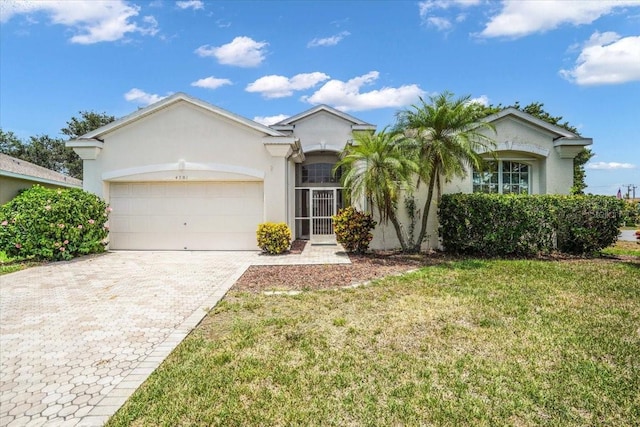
x=274, y=238
x=54, y=225
x=353, y=229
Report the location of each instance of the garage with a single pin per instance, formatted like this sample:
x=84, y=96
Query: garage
x=185, y=215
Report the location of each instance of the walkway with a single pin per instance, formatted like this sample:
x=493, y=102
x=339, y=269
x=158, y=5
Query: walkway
x=78, y=338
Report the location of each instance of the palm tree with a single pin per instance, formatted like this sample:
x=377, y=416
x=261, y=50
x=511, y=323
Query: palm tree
x=376, y=168
x=446, y=136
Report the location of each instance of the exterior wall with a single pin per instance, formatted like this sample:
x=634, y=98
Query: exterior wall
x=554, y=175
x=323, y=131
x=10, y=187
x=184, y=142
x=531, y=145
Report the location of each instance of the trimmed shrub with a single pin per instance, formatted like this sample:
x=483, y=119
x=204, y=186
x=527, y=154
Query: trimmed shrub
x=51, y=224
x=588, y=223
x=631, y=214
x=353, y=229
x=274, y=238
x=523, y=225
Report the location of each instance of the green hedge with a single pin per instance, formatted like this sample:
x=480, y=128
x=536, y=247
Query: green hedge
x=50, y=224
x=493, y=224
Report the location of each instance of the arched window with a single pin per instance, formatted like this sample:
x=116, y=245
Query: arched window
x=319, y=173
x=504, y=177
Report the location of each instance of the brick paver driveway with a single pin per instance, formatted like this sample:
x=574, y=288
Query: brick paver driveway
x=77, y=338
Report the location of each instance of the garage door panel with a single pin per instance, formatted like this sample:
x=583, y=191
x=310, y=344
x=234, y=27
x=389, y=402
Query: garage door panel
x=195, y=216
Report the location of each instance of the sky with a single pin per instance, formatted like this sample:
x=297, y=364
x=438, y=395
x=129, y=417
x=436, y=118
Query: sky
x=273, y=59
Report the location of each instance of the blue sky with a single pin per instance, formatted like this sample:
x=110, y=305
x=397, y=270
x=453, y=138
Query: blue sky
x=267, y=60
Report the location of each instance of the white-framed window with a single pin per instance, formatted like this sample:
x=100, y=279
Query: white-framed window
x=504, y=177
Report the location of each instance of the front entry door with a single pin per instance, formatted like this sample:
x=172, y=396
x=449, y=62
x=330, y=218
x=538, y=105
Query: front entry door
x=323, y=207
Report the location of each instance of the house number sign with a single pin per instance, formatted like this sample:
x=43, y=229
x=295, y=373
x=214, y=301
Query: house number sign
x=182, y=177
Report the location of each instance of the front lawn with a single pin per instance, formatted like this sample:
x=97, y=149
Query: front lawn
x=470, y=342
x=10, y=265
x=623, y=248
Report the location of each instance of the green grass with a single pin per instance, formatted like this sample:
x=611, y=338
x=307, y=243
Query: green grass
x=623, y=248
x=472, y=342
x=10, y=265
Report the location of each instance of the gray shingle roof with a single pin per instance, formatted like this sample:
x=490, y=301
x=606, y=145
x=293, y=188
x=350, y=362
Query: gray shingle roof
x=10, y=166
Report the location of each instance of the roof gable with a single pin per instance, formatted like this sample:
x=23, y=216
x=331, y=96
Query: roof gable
x=559, y=131
x=172, y=100
x=355, y=122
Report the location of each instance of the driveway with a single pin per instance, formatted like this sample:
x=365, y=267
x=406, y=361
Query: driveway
x=627, y=235
x=77, y=338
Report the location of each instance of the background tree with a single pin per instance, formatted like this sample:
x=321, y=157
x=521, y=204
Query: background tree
x=76, y=127
x=88, y=121
x=51, y=153
x=445, y=134
x=10, y=144
x=376, y=168
x=536, y=109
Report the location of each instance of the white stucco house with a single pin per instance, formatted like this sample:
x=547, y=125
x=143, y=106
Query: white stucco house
x=182, y=174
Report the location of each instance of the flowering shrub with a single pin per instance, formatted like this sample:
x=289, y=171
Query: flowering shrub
x=53, y=224
x=274, y=238
x=353, y=229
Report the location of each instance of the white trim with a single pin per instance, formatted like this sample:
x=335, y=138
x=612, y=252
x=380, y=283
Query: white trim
x=323, y=147
x=182, y=166
x=174, y=99
x=519, y=146
x=560, y=131
x=326, y=108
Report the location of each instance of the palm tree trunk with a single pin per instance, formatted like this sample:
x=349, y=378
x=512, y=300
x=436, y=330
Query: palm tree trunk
x=396, y=226
x=425, y=212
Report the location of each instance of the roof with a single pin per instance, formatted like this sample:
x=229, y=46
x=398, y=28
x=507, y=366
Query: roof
x=171, y=100
x=356, y=123
x=17, y=168
x=558, y=130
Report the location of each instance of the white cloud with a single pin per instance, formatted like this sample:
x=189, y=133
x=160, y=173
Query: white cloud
x=140, y=97
x=427, y=6
x=211, y=82
x=269, y=120
x=441, y=24
x=242, y=52
x=519, y=18
x=329, y=41
x=482, y=100
x=431, y=12
x=91, y=22
x=609, y=165
x=347, y=96
x=275, y=86
x=606, y=58
x=190, y=4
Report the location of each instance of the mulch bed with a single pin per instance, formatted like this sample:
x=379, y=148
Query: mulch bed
x=306, y=277
x=363, y=268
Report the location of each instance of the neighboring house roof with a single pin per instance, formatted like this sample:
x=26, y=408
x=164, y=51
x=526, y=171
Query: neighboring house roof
x=16, y=168
x=357, y=124
x=168, y=101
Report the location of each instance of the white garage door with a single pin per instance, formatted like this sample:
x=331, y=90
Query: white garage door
x=185, y=216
